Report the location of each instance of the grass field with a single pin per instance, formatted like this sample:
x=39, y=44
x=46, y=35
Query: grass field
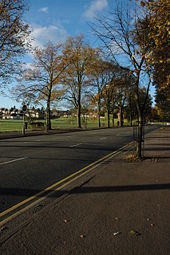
x=10, y=125
x=16, y=125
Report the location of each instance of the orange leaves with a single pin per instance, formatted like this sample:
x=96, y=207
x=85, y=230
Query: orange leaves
x=57, y=94
x=13, y=35
x=79, y=57
x=130, y=72
x=157, y=34
x=44, y=76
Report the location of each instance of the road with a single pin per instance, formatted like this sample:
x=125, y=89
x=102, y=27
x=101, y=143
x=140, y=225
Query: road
x=31, y=164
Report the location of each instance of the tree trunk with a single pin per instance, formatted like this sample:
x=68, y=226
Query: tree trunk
x=48, y=117
x=79, y=116
x=79, y=106
x=98, y=114
x=108, y=117
x=113, y=119
x=121, y=116
x=140, y=137
x=131, y=119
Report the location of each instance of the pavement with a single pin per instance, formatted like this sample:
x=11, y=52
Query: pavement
x=119, y=208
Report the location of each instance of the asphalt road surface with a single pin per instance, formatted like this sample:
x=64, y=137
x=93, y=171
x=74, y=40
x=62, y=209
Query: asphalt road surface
x=31, y=164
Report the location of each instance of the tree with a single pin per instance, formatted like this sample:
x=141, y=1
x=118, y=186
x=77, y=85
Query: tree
x=43, y=80
x=163, y=102
x=112, y=92
x=97, y=81
x=78, y=55
x=101, y=73
x=131, y=109
x=157, y=21
x=111, y=85
x=124, y=84
x=108, y=94
x=120, y=35
x=13, y=36
x=155, y=114
x=157, y=18
x=129, y=91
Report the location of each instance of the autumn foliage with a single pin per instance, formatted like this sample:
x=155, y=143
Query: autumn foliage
x=13, y=36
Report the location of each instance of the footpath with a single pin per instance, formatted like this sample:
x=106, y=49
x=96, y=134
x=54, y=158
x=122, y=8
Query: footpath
x=120, y=208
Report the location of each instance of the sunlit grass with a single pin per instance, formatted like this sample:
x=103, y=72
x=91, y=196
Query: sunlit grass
x=59, y=123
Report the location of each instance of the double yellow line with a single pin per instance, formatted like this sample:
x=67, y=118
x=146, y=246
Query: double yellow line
x=53, y=188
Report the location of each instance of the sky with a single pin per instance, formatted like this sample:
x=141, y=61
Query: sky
x=55, y=20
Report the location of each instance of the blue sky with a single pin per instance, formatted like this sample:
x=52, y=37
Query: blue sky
x=55, y=20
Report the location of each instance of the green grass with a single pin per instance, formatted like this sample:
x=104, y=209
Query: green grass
x=10, y=125
x=70, y=122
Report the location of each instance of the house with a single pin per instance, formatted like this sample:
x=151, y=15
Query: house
x=35, y=113
x=17, y=114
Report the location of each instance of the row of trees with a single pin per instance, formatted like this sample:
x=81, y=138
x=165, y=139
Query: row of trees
x=134, y=40
x=158, y=30
x=137, y=38
x=79, y=74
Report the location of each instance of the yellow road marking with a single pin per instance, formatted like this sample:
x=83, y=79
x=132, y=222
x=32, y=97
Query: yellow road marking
x=73, y=177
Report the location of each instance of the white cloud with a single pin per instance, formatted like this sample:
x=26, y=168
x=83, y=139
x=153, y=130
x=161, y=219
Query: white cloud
x=27, y=65
x=95, y=7
x=44, y=9
x=41, y=35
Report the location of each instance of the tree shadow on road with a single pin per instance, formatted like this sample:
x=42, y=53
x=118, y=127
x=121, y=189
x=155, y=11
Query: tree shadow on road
x=155, y=157
x=158, y=149
x=84, y=189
